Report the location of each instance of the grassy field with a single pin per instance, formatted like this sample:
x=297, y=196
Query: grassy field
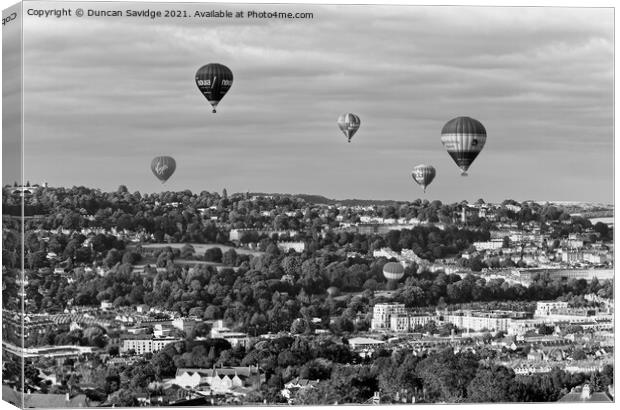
x=200, y=248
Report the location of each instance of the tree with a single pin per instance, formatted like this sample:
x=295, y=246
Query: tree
x=163, y=364
x=446, y=375
x=506, y=242
x=213, y=255
x=230, y=257
x=579, y=354
x=492, y=384
x=546, y=330
x=603, y=230
x=298, y=326
x=112, y=258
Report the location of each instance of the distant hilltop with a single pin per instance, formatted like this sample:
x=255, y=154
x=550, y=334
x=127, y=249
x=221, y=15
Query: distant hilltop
x=579, y=204
x=319, y=199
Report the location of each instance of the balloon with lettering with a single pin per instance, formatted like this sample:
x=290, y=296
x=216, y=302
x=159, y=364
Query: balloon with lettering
x=423, y=175
x=214, y=80
x=463, y=138
x=349, y=124
x=163, y=167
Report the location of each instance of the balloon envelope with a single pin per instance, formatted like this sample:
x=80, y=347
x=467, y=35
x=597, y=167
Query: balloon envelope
x=463, y=138
x=333, y=291
x=423, y=175
x=163, y=167
x=349, y=124
x=393, y=271
x=214, y=80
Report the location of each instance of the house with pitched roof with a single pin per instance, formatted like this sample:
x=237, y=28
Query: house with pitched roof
x=583, y=394
x=38, y=400
x=223, y=379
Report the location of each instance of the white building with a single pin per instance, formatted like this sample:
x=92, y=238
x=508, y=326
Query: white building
x=360, y=343
x=298, y=247
x=478, y=321
x=546, y=308
x=218, y=379
x=382, y=314
x=234, y=338
x=408, y=322
x=493, y=244
x=185, y=324
x=386, y=253
x=146, y=345
x=595, y=257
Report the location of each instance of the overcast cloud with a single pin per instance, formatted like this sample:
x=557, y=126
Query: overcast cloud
x=104, y=95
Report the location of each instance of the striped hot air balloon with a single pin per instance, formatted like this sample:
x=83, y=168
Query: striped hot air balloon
x=463, y=138
x=423, y=175
x=393, y=271
x=214, y=80
x=163, y=167
x=349, y=124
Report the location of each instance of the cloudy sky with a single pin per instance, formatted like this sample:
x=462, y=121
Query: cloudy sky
x=103, y=96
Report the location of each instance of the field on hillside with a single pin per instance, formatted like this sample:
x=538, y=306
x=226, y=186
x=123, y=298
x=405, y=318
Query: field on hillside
x=200, y=248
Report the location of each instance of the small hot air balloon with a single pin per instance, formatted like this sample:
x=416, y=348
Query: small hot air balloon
x=423, y=175
x=463, y=138
x=333, y=291
x=214, y=80
x=349, y=124
x=393, y=271
x=163, y=167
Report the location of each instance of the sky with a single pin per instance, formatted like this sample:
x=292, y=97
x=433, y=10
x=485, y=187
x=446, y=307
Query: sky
x=103, y=96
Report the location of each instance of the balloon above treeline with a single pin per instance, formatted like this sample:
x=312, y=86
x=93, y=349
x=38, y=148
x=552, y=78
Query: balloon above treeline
x=463, y=138
x=393, y=271
x=214, y=80
x=163, y=167
x=349, y=124
x=423, y=175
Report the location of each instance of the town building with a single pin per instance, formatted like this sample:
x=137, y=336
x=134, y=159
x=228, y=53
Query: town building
x=363, y=343
x=221, y=379
x=218, y=331
x=382, y=314
x=298, y=247
x=479, y=320
x=186, y=325
x=584, y=394
x=493, y=244
x=140, y=344
x=408, y=322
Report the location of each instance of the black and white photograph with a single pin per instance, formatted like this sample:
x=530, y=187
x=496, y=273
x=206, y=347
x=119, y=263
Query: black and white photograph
x=266, y=204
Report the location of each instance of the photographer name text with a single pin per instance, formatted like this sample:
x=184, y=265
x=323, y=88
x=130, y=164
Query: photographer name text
x=168, y=14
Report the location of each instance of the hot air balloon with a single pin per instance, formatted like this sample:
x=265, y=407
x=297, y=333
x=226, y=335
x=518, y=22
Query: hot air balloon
x=393, y=271
x=333, y=291
x=214, y=80
x=349, y=124
x=423, y=175
x=163, y=167
x=463, y=138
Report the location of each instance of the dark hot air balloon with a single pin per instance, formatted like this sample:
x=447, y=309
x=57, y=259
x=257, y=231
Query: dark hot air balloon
x=423, y=175
x=163, y=167
x=214, y=80
x=349, y=124
x=463, y=138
